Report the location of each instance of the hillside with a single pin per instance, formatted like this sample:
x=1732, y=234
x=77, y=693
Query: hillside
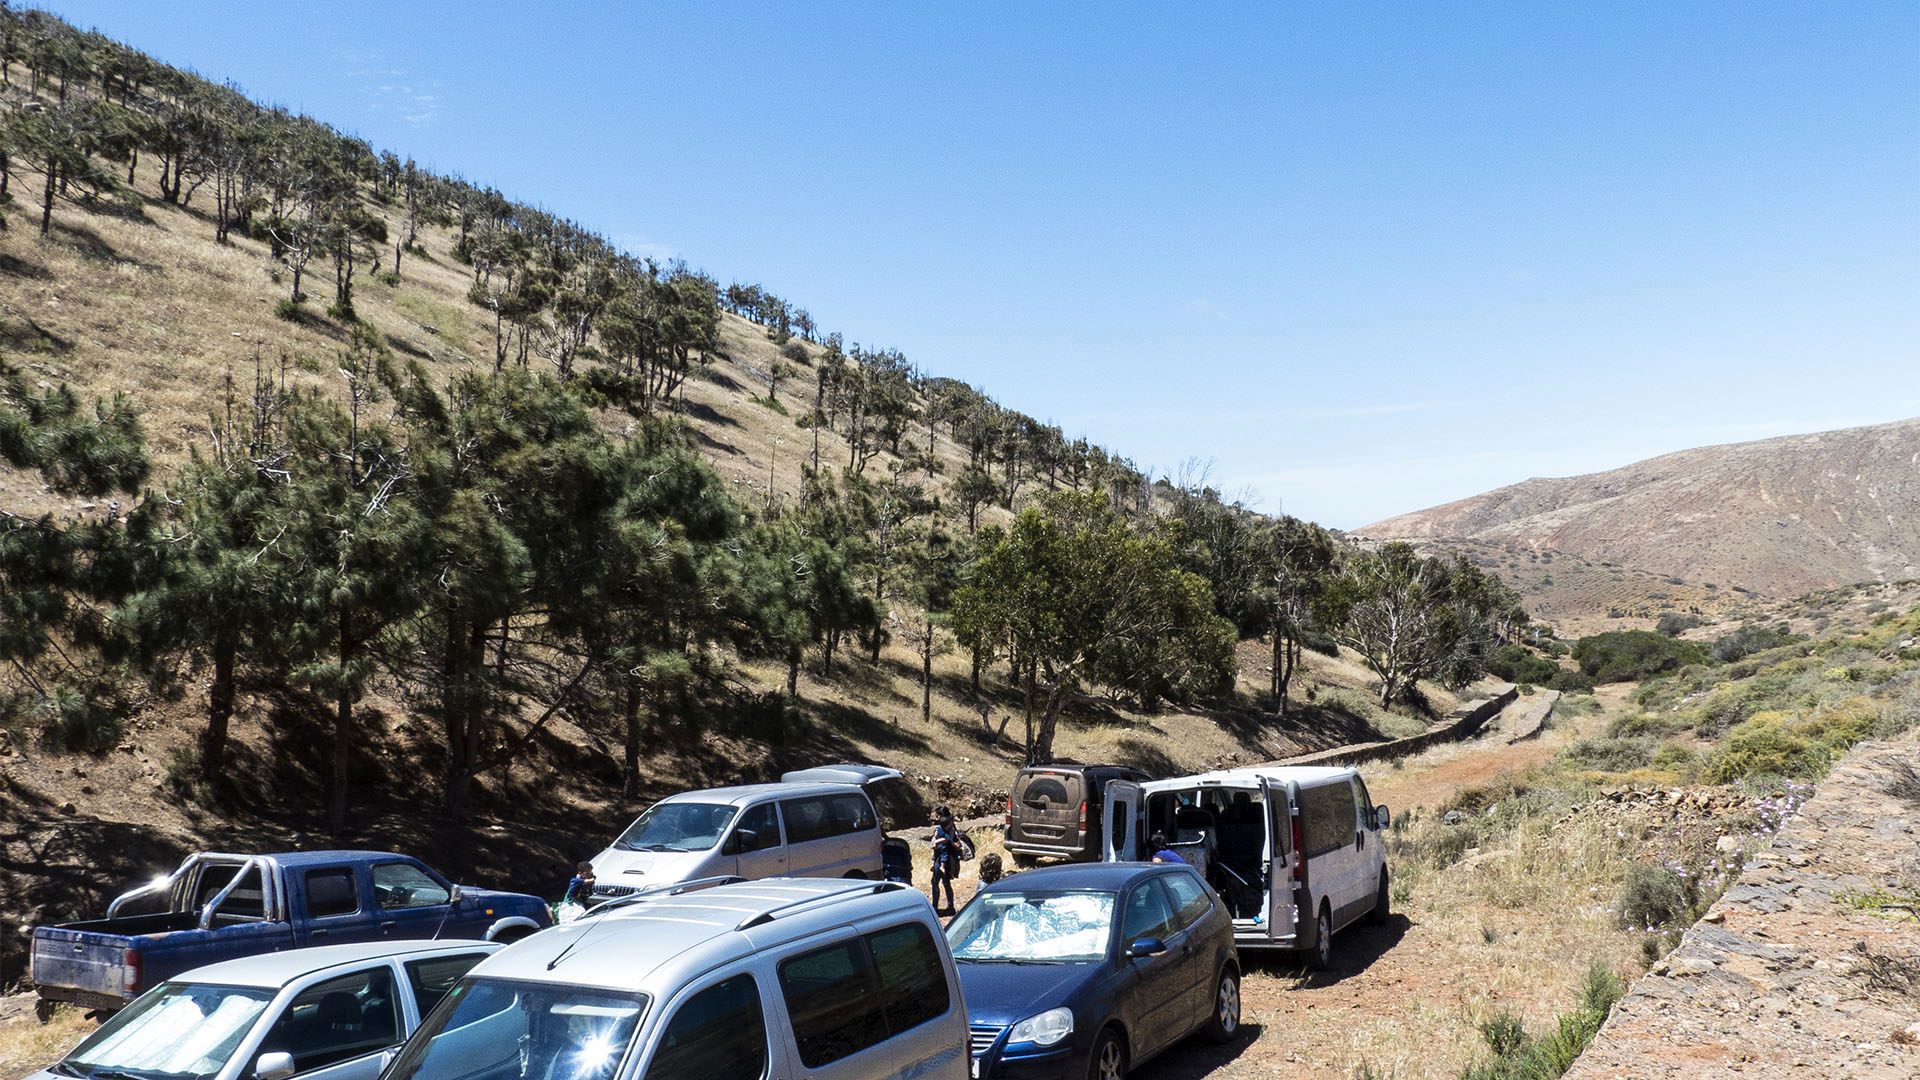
x=1778, y=517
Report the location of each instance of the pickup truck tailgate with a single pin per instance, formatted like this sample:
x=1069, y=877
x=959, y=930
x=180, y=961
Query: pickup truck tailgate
x=101, y=969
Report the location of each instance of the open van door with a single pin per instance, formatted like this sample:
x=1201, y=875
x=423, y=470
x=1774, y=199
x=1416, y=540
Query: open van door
x=1281, y=911
x=1122, y=804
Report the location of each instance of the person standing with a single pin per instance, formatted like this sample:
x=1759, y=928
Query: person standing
x=946, y=857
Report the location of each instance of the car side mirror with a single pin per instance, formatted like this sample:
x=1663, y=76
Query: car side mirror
x=1146, y=946
x=277, y=1065
x=453, y=895
x=742, y=840
x=387, y=1055
x=1382, y=817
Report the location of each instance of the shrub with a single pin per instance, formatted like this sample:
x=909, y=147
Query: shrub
x=1748, y=640
x=1673, y=624
x=1515, y=663
x=1609, y=755
x=1571, y=682
x=1629, y=655
x=72, y=721
x=1673, y=757
x=1519, y=1056
x=1763, y=745
x=1652, y=896
x=288, y=310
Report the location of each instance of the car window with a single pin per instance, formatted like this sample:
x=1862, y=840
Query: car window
x=1327, y=817
x=807, y=819
x=434, y=976
x=246, y=903
x=912, y=979
x=851, y=814
x=331, y=892
x=831, y=1002
x=763, y=822
x=398, y=885
x=719, y=1034
x=1190, y=900
x=1148, y=914
x=338, y=1019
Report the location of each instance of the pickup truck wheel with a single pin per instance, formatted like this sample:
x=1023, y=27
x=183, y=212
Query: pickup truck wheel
x=43, y=1009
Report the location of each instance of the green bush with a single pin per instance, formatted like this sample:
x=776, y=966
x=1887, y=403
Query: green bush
x=1653, y=896
x=1673, y=623
x=1517, y=664
x=1571, y=682
x=1673, y=757
x=1749, y=640
x=71, y=721
x=1609, y=755
x=1634, y=725
x=1519, y=1056
x=1631, y=655
x=1764, y=746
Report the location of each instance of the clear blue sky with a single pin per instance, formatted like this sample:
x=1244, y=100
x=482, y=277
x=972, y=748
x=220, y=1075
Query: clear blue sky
x=1363, y=258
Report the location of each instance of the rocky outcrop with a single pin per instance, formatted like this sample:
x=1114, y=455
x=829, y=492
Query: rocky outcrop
x=1809, y=965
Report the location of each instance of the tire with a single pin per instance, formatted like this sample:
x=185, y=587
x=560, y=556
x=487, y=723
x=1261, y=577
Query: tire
x=1382, y=901
x=1109, y=1058
x=43, y=1009
x=1226, y=1007
x=856, y=875
x=1023, y=860
x=1321, y=958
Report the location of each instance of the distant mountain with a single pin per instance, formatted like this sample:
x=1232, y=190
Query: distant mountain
x=1777, y=517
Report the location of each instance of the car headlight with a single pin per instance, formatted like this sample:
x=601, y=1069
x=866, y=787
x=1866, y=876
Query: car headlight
x=1043, y=1030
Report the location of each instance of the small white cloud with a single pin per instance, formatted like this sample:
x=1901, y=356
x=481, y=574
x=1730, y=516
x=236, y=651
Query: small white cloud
x=641, y=247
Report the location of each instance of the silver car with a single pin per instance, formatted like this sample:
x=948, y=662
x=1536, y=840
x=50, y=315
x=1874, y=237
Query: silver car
x=785, y=977
x=325, y=1013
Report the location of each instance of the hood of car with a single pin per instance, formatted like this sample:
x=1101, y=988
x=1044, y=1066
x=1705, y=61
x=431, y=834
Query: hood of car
x=638, y=869
x=1005, y=994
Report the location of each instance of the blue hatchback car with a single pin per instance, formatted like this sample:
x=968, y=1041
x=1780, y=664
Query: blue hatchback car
x=1086, y=970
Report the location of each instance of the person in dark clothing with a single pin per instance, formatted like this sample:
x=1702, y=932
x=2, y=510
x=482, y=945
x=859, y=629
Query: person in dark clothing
x=580, y=886
x=1161, y=852
x=946, y=856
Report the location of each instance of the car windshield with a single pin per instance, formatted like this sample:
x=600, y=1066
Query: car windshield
x=173, y=1030
x=499, y=1029
x=677, y=826
x=1055, y=926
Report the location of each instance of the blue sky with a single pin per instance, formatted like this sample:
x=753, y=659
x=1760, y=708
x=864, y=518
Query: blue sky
x=1362, y=258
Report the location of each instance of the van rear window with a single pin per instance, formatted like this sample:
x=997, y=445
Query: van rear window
x=858, y=993
x=1328, y=817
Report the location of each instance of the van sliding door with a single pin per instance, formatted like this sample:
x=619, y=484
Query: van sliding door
x=1277, y=860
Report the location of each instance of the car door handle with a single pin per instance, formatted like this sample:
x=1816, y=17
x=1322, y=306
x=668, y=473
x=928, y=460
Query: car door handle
x=318, y=933
x=388, y=925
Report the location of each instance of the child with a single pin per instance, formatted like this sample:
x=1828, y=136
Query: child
x=579, y=894
x=1161, y=852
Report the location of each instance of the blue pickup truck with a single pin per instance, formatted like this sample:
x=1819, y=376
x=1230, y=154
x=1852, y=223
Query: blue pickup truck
x=220, y=907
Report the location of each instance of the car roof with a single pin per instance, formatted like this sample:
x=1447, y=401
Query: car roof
x=1251, y=777
x=741, y=794
x=679, y=933
x=840, y=774
x=1090, y=875
x=274, y=970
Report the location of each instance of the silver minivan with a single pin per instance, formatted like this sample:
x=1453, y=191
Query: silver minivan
x=752, y=831
x=1295, y=852
x=828, y=980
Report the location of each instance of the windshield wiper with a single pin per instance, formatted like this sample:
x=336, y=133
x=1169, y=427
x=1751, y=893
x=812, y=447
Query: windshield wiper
x=65, y=1069
x=117, y=1074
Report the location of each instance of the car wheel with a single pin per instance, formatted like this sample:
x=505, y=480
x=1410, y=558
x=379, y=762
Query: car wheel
x=856, y=875
x=1109, y=1060
x=1382, y=901
x=1226, y=1007
x=1322, y=956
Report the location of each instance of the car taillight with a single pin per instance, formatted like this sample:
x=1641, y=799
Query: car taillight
x=1083, y=815
x=130, y=972
x=1009, y=811
x=1299, y=855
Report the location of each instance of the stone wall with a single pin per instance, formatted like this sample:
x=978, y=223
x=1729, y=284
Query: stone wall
x=1808, y=966
x=1462, y=723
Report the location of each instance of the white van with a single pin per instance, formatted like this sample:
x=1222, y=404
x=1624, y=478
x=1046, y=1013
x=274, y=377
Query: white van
x=1296, y=852
x=828, y=980
x=752, y=831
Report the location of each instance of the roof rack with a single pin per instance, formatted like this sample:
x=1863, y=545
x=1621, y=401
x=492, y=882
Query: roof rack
x=767, y=916
x=657, y=892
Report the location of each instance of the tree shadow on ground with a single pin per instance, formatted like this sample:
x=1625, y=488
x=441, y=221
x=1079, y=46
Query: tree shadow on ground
x=21, y=268
x=707, y=414
x=90, y=245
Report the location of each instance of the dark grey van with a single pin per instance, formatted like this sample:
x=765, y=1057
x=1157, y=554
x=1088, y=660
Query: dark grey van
x=1054, y=811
